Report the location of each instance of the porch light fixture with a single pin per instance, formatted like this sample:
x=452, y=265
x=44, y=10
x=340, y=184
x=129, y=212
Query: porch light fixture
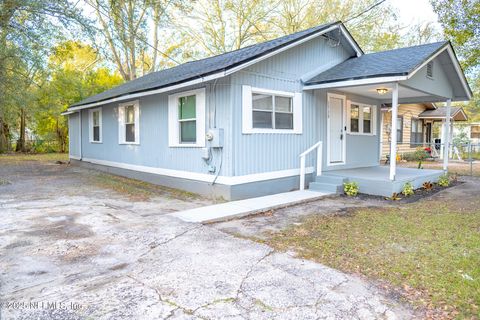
x=382, y=91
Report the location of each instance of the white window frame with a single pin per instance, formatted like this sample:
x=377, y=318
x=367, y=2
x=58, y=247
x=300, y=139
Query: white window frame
x=121, y=122
x=90, y=125
x=247, y=111
x=360, y=119
x=174, y=123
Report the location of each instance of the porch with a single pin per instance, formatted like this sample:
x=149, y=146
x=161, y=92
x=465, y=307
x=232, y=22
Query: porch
x=356, y=89
x=376, y=180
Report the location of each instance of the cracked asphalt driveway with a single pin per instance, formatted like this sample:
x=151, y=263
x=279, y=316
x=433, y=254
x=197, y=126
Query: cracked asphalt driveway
x=73, y=250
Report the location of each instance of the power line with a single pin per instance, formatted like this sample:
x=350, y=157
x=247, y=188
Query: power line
x=366, y=10
x=98, y=9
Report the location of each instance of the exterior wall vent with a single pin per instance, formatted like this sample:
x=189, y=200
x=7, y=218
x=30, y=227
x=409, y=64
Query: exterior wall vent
x=430, y=69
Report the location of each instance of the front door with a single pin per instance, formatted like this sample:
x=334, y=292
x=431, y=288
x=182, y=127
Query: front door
x=336, y=132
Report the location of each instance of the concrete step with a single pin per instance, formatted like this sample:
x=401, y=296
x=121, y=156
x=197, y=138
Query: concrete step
x=326, y=187
x=330, y=179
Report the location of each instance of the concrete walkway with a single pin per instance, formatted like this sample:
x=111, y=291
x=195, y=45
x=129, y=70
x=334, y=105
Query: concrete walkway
x=241, y=208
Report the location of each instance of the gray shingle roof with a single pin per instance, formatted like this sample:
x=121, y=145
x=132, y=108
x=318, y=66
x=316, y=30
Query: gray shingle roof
x=440, y=113
x=200, y=68
x=396, y=62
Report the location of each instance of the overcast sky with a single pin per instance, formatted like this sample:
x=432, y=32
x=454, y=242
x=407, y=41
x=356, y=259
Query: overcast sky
x=415, y=10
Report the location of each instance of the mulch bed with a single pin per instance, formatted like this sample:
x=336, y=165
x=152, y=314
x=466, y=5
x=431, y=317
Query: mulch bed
x=420, y=193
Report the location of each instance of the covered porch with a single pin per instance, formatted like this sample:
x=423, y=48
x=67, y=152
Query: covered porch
x=428, y=73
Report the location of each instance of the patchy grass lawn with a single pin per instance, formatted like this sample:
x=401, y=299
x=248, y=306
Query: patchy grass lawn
x=136, y=189
x=459, y=168
x=430, y=250
x=14, y=158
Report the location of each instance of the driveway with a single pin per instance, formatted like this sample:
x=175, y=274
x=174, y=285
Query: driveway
x=71, y=249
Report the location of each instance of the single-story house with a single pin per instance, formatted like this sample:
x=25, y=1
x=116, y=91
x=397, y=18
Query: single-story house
x=415, y=127
x=470, y=130
x=300, y=110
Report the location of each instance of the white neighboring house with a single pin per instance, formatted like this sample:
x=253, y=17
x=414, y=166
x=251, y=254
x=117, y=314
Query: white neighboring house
x=471, y=130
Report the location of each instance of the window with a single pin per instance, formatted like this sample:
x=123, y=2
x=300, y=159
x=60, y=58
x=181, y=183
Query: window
x=128, y=123
x=416, y=133
x=271, y=111
x=361, y=119
x=187, y=119
x=400, y=129
x=367, y=119
x=475, y=132
x=430, y=69
x=354, y=118
x=95, y=125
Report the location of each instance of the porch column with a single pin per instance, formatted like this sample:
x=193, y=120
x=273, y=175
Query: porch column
x=393, y=133
x=446, y=146
x=442, y=137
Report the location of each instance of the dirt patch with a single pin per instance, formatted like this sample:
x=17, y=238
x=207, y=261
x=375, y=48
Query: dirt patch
x=64, y=227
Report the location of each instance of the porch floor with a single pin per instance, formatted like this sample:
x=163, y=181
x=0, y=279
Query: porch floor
x=375, y=180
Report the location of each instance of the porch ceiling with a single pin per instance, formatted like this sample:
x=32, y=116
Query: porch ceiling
x=405, y=94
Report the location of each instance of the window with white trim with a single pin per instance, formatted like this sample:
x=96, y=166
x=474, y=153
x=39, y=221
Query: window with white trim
x=271, y=111
x=186, y=113
x=129, y=123
x=361, y=118
x=95, y=125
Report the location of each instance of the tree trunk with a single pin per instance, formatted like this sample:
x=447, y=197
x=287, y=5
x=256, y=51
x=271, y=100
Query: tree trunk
x=21, y=140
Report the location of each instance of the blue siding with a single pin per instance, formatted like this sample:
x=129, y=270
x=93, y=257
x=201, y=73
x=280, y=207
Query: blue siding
x=256, y=153
x=153, y=150
x=361, y=150
x=438, y=85
x=242, y=153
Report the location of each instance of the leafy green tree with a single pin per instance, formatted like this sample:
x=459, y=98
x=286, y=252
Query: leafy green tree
x=75, y=72
x=27, y=30
x=460, y=20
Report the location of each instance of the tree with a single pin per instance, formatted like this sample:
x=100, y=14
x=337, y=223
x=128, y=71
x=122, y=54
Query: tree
x=125, y=28
x=75, y=72
x=27, y=29
x=460, y=20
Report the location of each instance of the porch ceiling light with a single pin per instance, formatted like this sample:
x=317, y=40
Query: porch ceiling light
x=382, y=91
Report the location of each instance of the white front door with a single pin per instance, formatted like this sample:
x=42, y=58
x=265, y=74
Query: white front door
x=336, y=129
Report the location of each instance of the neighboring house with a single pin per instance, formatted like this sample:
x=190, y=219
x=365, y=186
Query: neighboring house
x=236, y=124
x=415, y=126
x=470, y=130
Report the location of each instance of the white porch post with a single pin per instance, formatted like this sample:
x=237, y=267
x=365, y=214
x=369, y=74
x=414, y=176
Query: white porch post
x=447, y=135
x=442, y=137
x=393, y=134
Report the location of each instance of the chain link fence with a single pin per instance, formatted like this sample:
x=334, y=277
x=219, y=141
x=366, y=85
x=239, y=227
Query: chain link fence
x=464, y=158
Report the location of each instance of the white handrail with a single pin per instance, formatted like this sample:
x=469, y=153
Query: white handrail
x=319, y=147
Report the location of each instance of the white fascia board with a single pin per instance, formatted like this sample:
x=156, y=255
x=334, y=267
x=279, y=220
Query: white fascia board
x=148, y=93
x=350, y=40
x=235, y=180
x=351, y=83
x=66, y=113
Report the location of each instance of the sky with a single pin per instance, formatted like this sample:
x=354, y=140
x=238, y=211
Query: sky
x=414, y=11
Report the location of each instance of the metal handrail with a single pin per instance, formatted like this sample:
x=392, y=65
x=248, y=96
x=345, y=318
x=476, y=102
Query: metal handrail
x=319, y=147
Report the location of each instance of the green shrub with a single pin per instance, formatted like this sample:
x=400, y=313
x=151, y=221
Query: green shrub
x=408, y=189
x=444, y=181
x=350, y=188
